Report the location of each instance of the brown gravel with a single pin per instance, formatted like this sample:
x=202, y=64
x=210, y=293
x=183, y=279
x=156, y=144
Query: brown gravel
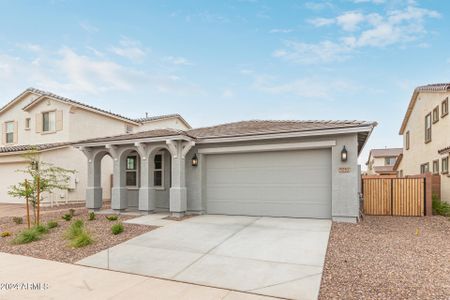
x=54, y=246
x=388, y=258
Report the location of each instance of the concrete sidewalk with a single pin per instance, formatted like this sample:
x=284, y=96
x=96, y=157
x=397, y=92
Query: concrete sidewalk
x=66, y=281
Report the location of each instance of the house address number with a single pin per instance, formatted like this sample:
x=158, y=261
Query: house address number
x=344, y=170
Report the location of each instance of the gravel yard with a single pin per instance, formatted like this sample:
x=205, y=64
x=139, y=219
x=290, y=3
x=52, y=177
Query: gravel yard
x=388, y=258
x=54, y=246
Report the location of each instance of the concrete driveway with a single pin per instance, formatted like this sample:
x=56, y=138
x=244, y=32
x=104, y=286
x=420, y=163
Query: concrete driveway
x=270, y=256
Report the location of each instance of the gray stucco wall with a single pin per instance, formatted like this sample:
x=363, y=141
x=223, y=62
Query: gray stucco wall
x=345, y=201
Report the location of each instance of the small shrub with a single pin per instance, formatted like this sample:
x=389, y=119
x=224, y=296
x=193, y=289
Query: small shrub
x=27, y=236
x=75, y=229
x=67, y=217
x=72, y=212
x=5, y=234
x=441, y=208
x=91, y=216
x=81, y=240
x=117, y=228
x=40, y=229
x=52, y=224
x=112, y=218
x=17, y=220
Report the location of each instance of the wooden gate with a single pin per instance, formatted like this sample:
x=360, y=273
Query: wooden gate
x=394, y=196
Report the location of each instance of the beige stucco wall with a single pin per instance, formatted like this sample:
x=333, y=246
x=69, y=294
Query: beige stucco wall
x=375, y=162
x=66, y=157
x=419, y=151
x=78, y=124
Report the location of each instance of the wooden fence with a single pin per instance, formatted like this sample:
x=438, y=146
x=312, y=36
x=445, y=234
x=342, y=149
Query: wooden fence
x=393, y=196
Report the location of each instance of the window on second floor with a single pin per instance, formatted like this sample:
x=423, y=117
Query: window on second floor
x=389, y=161
x=9, y=132
x=436, y=114
x=27, y=123
x=428, y=128
x=49, y=121
x=407, y=140
x=444, y=107
x=444, y=165
x=436, y=166
x=424, y=168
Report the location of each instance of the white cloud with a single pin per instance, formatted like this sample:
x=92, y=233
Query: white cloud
x=308, y=87
x=399, y=26
x=369, y=1
x=227, y=93
x=304, y=53
x=67, y=71
x=318, y=5
x=280, y=30
x=177, y=60
x=130, y=49
x=86, y=26
x=350, y=21
x=30, y=47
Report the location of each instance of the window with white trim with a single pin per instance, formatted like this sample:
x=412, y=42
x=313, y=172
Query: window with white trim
x=436, y=114
x=436, y=166
x=132, y=171
x=158, y=173
x=9, y=126
x=444, y=107
x=428, y=128
x=27, y=123
x=424, y=168
x=49, y=121
x=444, y=165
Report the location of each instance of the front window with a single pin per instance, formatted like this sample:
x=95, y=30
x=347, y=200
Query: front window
x=131, y=171
x=445, y=165
x=428, y=128
x=436, y=114
x=158, y=173
x=424, y=168
x=389, y=161
x=9, y=132
x=27, y=123
x=49, y=121
x=444, y=107
x=407, y=140
x=436, y=166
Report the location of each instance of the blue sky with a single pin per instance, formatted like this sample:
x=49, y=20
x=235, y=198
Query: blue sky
x=222, y=61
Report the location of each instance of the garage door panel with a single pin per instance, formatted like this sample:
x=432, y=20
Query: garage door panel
x=292, y=183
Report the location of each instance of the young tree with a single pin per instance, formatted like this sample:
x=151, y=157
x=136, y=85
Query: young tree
x=42, y=177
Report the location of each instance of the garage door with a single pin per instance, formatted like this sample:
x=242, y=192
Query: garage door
x=284, y=184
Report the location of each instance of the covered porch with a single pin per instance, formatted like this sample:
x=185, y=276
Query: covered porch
x=149, y=174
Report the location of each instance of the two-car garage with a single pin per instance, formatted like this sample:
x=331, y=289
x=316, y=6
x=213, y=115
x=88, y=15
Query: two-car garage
x=278, y=183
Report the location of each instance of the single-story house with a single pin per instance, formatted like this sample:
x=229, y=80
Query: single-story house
x=257, y=168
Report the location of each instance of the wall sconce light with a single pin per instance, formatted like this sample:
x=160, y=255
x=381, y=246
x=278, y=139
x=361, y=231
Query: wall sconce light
x=344, y=154
x=195, y=160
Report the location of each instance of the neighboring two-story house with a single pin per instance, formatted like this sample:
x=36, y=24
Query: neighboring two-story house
x=426, y=135
x=50, y=123
x=382, y=161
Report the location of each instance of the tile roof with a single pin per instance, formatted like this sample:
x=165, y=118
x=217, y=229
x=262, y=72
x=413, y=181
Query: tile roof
x=436, y=87
x=136, y=136
x=38, y=147
x=444, y=150
x=243, y=128
x=71, y=101
x=384, y=169
x=162, y=117
x=386, y=152
x=257, y=127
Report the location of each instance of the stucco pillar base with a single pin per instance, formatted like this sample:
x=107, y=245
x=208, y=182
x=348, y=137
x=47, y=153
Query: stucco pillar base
x=177, y=214
x=178, y=199
x=147, y=200
x=94, y=197
x=119, y=198
x=345, y=219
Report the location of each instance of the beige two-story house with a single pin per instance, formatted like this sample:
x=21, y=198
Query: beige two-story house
x=49, y=123
x=382, y=161
x=426, y=135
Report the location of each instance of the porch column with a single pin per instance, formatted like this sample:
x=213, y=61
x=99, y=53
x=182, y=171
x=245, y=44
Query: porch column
x=147, y=197
x=119, y=200
x=94, y=192
x=178, y=192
